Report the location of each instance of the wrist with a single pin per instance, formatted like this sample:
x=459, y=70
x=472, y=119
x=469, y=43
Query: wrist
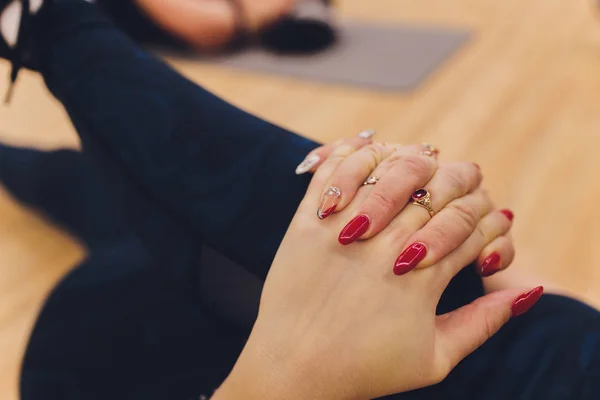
x=258, y=375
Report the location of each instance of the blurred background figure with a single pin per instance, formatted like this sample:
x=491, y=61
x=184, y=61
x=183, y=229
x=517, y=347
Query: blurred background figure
x=220, y=25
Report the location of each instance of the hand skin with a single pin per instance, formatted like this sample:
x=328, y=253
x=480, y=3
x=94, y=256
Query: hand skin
x=335, y=322
x=263, y=377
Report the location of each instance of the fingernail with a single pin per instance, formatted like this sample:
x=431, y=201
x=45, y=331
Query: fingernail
x=355, y=229
x=524, y=302
x=329, y=203
x=410, y=258
x=490, y=265
x=508, y=214
x=366, y=134
x=308, y=163
x=477, y=166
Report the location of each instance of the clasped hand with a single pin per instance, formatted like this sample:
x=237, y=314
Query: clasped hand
x=348, y=310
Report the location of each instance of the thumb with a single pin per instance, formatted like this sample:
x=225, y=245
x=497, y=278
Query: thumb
x=462, y=331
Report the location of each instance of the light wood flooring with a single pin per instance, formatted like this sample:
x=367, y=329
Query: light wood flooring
x=522, y=100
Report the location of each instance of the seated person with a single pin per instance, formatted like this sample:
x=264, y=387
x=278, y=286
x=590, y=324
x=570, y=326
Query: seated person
x=359, y=299
x=217, y=25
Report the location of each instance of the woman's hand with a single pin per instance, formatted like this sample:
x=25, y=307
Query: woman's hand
x=461, y=207
x=335, y=322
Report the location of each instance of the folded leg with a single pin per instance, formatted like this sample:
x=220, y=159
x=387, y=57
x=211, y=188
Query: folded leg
x=64, y=186
x=226, y=176
x=118, y=328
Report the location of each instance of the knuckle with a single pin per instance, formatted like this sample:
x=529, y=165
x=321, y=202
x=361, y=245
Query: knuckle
x=438, y=236
x=376, y=152
x=486, y=201
x=416, y=165
x=384, y=200
x=481, y=232
x=393, y=159
x=470, y=169
x=465, y=214
x=459, y=182
x=340, y=152
x=485, y=195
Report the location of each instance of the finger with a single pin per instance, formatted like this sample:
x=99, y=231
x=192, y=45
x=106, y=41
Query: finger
x=352, y=173
x=496, y=256
x=500, y=253
x=328, y=165
x=491, y=236
x=377, y=205
x=444, y=233
x=429, y=150
x=414, y=225
x=450, y=182
x=462, y=331
x=316, y=157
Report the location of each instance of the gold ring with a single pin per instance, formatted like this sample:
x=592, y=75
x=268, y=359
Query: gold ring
x=429, y=150
x=371, y=180
x=422, y=197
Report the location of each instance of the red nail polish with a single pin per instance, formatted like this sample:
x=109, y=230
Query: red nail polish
x=508, y=214
x=327, y=212
x=355, y=229
x=524, y=302
x=490, y=265
x=410, y=258
x=330, y=201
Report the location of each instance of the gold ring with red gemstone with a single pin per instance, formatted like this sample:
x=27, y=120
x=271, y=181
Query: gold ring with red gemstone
x=422, y=198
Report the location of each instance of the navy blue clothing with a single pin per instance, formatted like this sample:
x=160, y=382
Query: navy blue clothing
x=167, y=170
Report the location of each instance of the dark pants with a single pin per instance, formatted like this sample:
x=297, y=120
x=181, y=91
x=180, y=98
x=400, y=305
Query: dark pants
x=168, y=169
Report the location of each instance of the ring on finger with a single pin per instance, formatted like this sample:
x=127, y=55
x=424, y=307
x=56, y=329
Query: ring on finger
x=366, y=133
x=372, y=180
x=422, y=198
x=429, y=150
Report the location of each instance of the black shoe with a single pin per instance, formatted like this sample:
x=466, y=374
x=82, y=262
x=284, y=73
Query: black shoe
x=20, y=55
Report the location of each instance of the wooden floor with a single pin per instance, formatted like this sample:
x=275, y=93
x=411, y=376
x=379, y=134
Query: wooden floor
x=522, y=100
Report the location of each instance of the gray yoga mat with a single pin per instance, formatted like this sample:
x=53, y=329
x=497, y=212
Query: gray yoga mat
x=383, y=57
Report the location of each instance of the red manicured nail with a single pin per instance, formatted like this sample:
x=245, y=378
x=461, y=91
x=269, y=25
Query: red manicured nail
x=490, y=265
x=355, y=229
x=410, y=258
x=524, y=302
x=327, y=212
x=508, y=214
x=329, y=202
